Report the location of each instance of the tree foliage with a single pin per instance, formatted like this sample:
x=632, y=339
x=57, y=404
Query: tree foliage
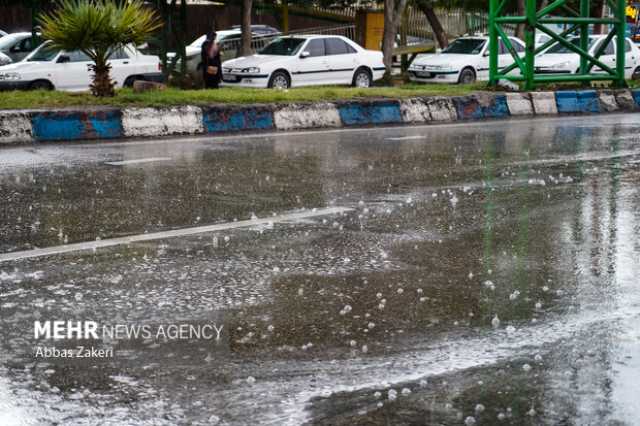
x=98, y=28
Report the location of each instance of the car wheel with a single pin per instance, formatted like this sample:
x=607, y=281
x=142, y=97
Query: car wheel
x=362, y=78
x=41, y=85
x=130, y=80
x=467, y=76
x=636, y=74
x=279, y=80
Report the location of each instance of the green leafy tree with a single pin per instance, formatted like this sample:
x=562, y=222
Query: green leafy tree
x=98, y=28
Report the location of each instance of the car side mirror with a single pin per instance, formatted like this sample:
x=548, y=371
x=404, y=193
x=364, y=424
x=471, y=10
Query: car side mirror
x=305, y=54
x=63, y=59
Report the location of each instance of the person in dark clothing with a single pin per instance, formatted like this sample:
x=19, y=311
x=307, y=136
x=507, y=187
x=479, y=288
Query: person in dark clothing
x=211, y=62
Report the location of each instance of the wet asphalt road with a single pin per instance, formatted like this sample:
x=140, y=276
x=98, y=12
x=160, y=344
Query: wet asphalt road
x=482, y=273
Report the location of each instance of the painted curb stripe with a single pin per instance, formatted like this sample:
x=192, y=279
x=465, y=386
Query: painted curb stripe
x=72, y=125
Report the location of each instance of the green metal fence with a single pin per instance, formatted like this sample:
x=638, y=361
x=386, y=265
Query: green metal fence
x=576, y=22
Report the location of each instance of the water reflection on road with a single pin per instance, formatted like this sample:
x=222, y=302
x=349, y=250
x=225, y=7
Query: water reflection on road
x=487, y=274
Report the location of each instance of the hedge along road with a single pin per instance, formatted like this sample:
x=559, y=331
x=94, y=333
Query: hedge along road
x=448, y=274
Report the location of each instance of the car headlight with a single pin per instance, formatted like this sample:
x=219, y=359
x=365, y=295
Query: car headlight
x=561, y=65
x=252, y=70
x=10, y=76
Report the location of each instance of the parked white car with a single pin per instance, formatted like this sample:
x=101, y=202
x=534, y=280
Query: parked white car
x=15, y=47
x=465, y=61
x=305, y=61
x=49, y=68
x=560, y=60
x=2, y=33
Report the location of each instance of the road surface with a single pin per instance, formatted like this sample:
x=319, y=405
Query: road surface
x=476, y=273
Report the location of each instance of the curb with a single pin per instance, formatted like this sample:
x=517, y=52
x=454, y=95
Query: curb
x=28, y=126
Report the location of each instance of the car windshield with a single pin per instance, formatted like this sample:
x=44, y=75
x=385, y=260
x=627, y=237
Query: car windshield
x=9, y=41
x=45, y=53
x=558, y=48
x=283, y=47
x=465, y=46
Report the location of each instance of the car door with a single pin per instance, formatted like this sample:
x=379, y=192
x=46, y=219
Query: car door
x=342, y=59
x=122, y=66
x=312, y=67
x=72, y=71
x=608, y=56
x=631, y=59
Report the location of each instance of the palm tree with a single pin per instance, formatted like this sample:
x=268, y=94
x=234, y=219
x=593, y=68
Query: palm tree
x=98, y=28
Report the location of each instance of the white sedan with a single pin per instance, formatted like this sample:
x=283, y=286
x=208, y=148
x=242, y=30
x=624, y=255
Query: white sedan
x=305, y=61
x=464, y=61
x=560, y=60
x=48, y=68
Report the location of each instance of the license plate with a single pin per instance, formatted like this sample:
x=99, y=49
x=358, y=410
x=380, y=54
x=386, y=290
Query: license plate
x=230, y=78
x=423, y=74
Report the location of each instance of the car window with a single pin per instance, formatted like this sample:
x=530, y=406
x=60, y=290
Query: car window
x=516, y=45
x=283, y=47
x=119, y=54
x=335, y=46
x=609, y=50
x=466, y=46
x=45, y=53
x=558, y=48
x=627, y=46
x=22, y=47
x=543, y=39
x=78, y=56
x=503, y=49
x=316, y=47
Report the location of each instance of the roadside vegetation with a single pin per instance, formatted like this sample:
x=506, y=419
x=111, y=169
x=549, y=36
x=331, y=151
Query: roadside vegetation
x=232, y=95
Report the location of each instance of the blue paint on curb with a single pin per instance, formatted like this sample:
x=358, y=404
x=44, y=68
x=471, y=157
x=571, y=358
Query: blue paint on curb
x=74, y=125
x=470, y=107
x=498, y=108
x=588, y=101
x=636, y=97
x=467, y=108
x=218, y=120
x=358, y=114
x=567, y=101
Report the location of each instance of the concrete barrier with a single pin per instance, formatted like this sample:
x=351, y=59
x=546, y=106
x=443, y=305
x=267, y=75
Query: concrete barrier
x=607, y=101
x=109, y=123
x=567, y=102
x=15, y=127
x=149, y=122
x=441, y=108
x=625, y=100
x=519, y=104
x=307, y=116
x=481, y=105
x=230, y=118
x=370, y=112
x=77, y=125
x=588, y=101
x=544, y=103
x=414, y=110
x=636, y=97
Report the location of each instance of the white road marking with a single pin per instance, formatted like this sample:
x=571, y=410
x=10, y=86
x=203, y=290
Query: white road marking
x=405, y=138
x=137, y=161
x=93, y=245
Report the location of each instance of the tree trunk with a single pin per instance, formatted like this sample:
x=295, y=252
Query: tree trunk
x=393, y=10
x=245, y=47
x=436, y=26
x=598, y=12
x=102, y=86
x=521, y=12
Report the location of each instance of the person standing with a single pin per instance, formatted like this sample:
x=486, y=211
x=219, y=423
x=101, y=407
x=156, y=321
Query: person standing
x=211, y=62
